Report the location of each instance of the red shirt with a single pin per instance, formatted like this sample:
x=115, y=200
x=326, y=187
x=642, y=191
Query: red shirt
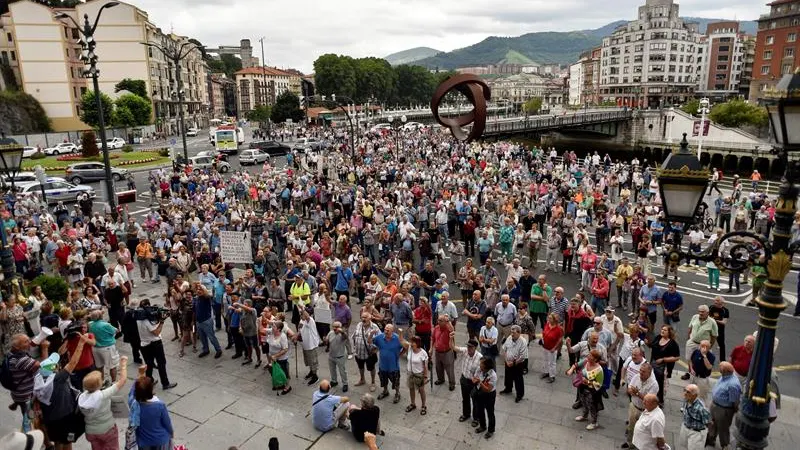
x=423, y=314
x=87, y=356
x=551, y=335
x=588, y=261
x=441, y=339
x=740, y=358
x=600, y=287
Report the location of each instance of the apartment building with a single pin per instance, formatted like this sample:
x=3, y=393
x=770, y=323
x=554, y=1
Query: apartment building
x=262, y=85
x=575, y=84
x=721, y=57
x=521, y=87
x=776, y=51
x=43, y=54
x=650, y=61
x=222, y=96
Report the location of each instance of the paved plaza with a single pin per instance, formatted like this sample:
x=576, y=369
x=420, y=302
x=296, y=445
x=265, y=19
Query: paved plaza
x=220, y=403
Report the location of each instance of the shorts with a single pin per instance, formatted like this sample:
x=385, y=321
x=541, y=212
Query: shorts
x=66, y=430
x=251, y=341
x=369, y=362
x=106, y=357
x=416, y=381
x=386, y=377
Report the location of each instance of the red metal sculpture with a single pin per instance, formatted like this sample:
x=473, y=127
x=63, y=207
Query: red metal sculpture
x=477, y=92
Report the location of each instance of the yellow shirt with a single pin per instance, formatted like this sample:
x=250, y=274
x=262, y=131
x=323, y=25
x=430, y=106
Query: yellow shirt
x=301, y=295
x=623, y=273
x=367, y=211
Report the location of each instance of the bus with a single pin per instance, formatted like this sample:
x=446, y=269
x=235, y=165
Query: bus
x=226, y=139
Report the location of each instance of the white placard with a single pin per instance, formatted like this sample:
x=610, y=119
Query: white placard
x=235, y=247
x=323, y=315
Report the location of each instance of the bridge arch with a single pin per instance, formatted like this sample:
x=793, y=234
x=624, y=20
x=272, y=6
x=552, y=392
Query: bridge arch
x=730, y=164
x=717, y=160
x=705, y=160
x=778, y=167
x=746, y=165
x=763, y=166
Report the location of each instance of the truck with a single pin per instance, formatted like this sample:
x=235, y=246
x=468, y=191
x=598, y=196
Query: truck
x=226, y=140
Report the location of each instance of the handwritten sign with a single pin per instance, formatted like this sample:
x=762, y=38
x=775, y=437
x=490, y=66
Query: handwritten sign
x=235, y=247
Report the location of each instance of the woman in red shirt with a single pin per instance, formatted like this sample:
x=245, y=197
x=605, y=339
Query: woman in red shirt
x=86, y=363
x=422, y=323
x=552, y=338
x=20, y=252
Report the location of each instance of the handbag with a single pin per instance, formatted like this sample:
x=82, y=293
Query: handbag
x=193, y=266
x=577, y=379
x=75, y=271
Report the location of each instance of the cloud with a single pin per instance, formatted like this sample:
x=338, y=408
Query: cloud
x=297, y=32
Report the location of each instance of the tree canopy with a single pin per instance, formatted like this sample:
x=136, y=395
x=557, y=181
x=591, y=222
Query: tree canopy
x=365, y=79
x=89, y=144
x=89, y=114
x=132, y=111
x=736, y=113
x=260, y=114
x=227, y=64
x=691, y=107
x=533, y=105
x=138, y=87
x=287, y=106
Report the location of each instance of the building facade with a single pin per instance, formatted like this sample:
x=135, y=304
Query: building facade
x=776, y=49
x=263, y=85
x=720, y=61
x=650, y=61
x=590, y=62
x=244, y=51
x=575, y=84
x=222, y=96
x=43, y=54
x=521, y=87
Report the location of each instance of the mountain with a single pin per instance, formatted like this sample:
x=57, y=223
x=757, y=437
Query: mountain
x=411, y=55
x=548, y=47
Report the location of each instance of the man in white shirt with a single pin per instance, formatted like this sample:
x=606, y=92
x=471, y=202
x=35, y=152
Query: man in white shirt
x=470, y=365
x=613, y=325
x=648, y=433
x=638, y=389
x=310, y=341
x=505, y=315
x=152, y=347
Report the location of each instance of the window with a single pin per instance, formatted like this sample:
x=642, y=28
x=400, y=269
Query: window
x=767, y=54
x=10, y=38
x=4, y=56
x=724, y=48
x=788, y=52
x=770, y=40
x=75, y=34
x=722, y=67
x=764, y=70
x=787, y=68
x=791, y=37
x=13, y=55
x=722, y=58
x=66, y=50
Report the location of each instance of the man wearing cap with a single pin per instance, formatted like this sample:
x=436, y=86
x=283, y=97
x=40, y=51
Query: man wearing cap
x=468, y=367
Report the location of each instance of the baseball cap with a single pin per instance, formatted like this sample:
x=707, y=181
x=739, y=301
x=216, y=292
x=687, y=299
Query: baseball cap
x=472, y=343
x=610, y=308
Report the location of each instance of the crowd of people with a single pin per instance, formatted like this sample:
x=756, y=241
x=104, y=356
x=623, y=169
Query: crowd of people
x=349, y=262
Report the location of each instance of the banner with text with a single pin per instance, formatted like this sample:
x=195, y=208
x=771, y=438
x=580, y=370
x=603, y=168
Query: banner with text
x=235, y=247
x=696, y=128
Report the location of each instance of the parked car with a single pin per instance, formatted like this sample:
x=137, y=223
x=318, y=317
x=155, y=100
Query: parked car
x=57, y=190
x=272, y=148
x=62, y=148
x=113, y=143
x=27, y=152
x=253, y=156
x=213, y=154
x=91, y=171
x=380, y=127
x=19, y=177
x=192, y=132
x=414, y=126
x=199, y=163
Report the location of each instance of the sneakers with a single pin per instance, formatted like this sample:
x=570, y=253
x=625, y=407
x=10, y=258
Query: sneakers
x=544, y=375
x=577, y=405
x=685, y=376
x=591, y=426
x=345, y=388
x=580, y=419
x=551, y=380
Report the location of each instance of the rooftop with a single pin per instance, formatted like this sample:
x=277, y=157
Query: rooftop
x=271, y=71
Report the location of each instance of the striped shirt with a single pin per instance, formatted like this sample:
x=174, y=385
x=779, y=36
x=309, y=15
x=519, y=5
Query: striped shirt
x=362, y=341
x=695, y=415
x=23, y=369
x=516, y=351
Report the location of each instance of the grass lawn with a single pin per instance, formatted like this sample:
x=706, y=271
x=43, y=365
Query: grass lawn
x=54, y=167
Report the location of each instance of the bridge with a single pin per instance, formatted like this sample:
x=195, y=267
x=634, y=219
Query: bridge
x=604, y=122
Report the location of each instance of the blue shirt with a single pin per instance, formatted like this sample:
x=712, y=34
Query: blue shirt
x=699, y=366
x=727, y=391
x=235, y=319
x=202, y=309
x=650, y=294
x=155, y=426
x=389, y=352
x=344, y=275
x=322, y=411
x=672, y=301
x=695, y=415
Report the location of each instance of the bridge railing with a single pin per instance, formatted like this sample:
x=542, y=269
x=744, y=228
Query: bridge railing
x=534, y=123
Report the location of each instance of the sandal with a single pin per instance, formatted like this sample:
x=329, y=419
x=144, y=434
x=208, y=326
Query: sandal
x=286, y=391
x=360, y=383
x=383, y=395
x=411, y=407
x=423, y=411
x=396, y=398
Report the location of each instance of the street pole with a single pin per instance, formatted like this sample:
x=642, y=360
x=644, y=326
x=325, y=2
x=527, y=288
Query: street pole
x=89, y=58
x=703, y=111
x=181, y=124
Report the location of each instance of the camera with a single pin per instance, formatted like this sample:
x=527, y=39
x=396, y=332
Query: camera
x=74, y=329
x=152, y=313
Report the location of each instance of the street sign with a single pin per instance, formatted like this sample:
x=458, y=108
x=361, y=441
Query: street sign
x=173, y=141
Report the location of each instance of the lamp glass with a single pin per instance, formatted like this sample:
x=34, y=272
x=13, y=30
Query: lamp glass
x=777, y=125
x=791, y=113
x=11, y=159
x=681, y=200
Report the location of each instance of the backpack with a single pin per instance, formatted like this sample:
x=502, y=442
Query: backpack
x=6, y=377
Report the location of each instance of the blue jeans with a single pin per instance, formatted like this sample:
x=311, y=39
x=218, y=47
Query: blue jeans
x=206, y=331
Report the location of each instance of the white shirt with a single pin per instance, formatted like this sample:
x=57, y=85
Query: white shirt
x=146, y=332
x=416, y=361
x=309, y=334
x=470, y=365
x=632, y=369
x=649, y=427
x=649, y=386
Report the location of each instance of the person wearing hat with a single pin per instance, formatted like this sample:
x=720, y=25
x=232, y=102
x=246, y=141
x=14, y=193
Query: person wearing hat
x=33, y=440
x=468, y=367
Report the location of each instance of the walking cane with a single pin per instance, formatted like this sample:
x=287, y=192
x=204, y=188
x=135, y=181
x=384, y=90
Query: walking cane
x=295, y=360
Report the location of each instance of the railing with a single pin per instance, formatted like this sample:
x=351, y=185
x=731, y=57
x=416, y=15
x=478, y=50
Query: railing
x=749, y=146
x=555, y=122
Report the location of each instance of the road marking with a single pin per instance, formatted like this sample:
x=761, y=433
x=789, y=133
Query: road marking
x=140, y=211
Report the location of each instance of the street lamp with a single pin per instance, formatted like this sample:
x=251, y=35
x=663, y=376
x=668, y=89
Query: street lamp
x=10, y=163
x=175, y=54
x=702, y=110
x=681, y=192
x=90, y=70
x=396, y=128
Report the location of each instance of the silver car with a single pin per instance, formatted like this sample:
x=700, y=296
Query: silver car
x=199, y=163
x=253, y=157
x=92, y=171
x=57, y=190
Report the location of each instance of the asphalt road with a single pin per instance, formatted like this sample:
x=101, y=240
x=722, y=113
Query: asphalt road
x=692, y=284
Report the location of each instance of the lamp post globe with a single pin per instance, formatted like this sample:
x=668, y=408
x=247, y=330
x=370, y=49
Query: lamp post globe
x=681, y=184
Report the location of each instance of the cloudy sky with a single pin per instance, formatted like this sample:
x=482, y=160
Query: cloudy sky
x=298, y=31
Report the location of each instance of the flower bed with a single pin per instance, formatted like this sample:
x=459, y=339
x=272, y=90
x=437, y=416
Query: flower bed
x=137, y=161
x=79, y=157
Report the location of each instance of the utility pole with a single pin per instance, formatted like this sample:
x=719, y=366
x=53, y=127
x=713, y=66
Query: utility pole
x=263, y=76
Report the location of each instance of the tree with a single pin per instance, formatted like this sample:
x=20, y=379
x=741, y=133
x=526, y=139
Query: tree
x=139, y=108
x=335, y=74
x=287, y=106
x=123, y=117
x=691, y=107
x=414, y=85
x=260, y=114
x=89, y=144
x=232, y=64
x=89, y=109
x=532, y=106
x=376, y=78
x=737, y=113
x=138, y=87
